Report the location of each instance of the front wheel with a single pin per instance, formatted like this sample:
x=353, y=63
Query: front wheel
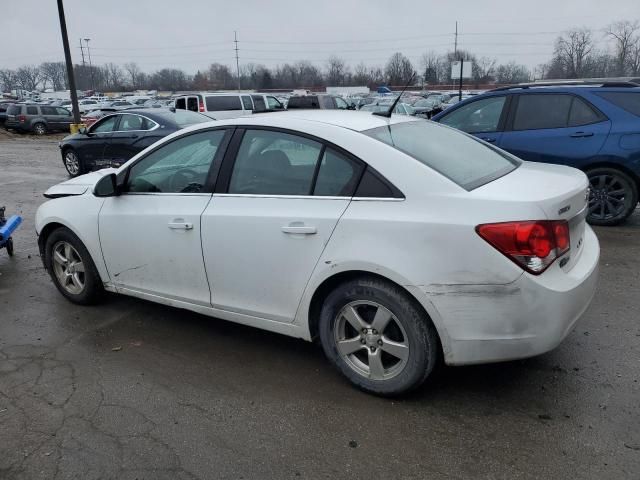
x=378, y=337
x=613, y=196
x=72, y=163
x=71, y=268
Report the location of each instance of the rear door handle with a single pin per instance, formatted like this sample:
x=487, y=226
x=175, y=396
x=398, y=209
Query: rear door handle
x=490, y=140
x=582, y=134
x=300, y=229
x=181, y=225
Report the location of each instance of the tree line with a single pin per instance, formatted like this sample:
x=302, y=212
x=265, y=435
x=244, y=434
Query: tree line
x=576, y=55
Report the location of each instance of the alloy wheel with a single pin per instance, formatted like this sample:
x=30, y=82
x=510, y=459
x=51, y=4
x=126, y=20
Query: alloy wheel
x=68, y=267
x=371, y=340
x=608, y=196
x=72, y=163
x=40, y=129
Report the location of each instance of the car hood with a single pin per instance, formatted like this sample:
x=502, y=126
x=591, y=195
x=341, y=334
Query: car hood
x=78, y=185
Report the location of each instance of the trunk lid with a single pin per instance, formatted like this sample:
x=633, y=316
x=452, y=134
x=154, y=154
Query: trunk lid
x=560, y=192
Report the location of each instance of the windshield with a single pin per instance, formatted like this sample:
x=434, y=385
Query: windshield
x=461, y=158
x=184, y=118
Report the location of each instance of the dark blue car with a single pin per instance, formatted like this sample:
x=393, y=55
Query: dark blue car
x=595, y=128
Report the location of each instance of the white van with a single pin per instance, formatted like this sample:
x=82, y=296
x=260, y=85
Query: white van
x=227, y=105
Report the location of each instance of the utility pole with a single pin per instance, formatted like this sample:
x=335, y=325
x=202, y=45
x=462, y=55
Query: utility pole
x=84, y=66
x=70, y=76
x=82, y=53
x=455, y=44
x=235, y=34
x=90, y=66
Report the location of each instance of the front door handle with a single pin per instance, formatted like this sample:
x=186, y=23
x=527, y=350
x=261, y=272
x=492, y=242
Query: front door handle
x=582, y=134
x=299, y=228
x=181, y=225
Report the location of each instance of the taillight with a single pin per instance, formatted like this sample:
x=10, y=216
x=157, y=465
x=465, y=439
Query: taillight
x=201, y=106
x=533, y=245
x=22, y=118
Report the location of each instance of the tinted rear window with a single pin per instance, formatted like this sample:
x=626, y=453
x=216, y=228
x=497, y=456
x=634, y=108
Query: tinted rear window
x=542, y=111
x=14, y=110
x=32, y=110
x=303, y=102
x=629, y=101
x=222, y=103
x=461, y=158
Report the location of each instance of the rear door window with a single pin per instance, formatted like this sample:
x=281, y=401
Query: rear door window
x=326, y=102
x=247, y=103
x=192, y=104
x=629, y=101
x=223, y=103
x=338, y=175
x=582, y=113
x=480, y=116
x=32, y=110
x=181, y=104
x=49, y=111
x=259, y=103
x=537, y=111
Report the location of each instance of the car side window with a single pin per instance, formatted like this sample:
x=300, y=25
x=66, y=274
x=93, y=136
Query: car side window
x=180, y=166
x=247, y=103
x=63, y=111
x=274, y=104
x=582, y=114
x=32, y=110
x=258, y=101
x=536, y=111
x=105, y=125
x=130, y=122
x=340, y=103
x=480, y=116
x=192, y=104
x=180, y=104
x=338, y=175
x=325, y=102
x=48, y=111
x=274, y=163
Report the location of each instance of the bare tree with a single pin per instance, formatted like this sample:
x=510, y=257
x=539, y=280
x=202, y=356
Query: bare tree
x=484, y=69
x=133, y=71
x=361, y=74
x=626, y=40
x=429, y=63
x=28, y=77
x=399, y=69
x=8, y=80
x=336, y=71
x=573, y=50
x=55, y=73
x=634, y=62
x=512, y=73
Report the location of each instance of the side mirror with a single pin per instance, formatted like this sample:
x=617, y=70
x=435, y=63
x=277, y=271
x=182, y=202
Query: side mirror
x=107, y=186
x=83, y=131
x=351, y=107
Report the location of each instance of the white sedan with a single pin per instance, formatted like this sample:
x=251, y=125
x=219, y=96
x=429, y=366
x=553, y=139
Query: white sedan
x=395, y=242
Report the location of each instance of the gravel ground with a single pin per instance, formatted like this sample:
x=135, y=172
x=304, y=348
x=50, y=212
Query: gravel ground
x=134, y=390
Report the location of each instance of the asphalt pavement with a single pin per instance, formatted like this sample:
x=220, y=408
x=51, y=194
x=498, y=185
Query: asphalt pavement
x=135, y=390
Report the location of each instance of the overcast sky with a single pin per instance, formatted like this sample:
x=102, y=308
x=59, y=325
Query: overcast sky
x=191, y=34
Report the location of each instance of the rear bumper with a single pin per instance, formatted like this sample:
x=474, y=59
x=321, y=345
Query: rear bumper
x=16, y=125
x=492, y=323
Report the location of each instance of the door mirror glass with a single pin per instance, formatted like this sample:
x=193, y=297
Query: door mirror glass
x=82, y=130
x=107, y=186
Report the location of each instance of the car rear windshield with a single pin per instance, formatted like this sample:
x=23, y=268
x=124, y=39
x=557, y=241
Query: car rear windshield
x=461, y=158
x=630, y=101
x=303, y=102
x=184, y=118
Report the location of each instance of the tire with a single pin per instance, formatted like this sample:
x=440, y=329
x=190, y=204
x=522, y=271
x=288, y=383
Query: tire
x=408, y=333
x=9, y=247
x=81, y=287
x=613, y=197
x=72, y=163
x=39, y=129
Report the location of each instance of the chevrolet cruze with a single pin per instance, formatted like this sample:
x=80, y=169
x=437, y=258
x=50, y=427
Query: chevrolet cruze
x=395, y=242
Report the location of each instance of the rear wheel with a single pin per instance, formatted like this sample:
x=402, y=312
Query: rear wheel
x=40, y=128
x=613, y=196
x=378, y=337
x=72, y=163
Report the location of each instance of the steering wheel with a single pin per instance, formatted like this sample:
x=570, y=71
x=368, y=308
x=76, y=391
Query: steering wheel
x=183, y=181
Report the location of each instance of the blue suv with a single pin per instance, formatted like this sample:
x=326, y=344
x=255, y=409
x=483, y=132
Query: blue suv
x=593, y=127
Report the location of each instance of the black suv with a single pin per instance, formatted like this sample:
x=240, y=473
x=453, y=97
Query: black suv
x=318, y=101
x=38, y=119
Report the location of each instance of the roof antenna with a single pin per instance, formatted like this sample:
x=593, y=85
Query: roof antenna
x=388, y=113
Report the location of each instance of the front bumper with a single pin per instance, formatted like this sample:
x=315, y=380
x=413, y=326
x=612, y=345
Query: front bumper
x=492, y=323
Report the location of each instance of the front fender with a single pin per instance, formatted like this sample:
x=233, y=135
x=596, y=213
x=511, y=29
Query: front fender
x=80, y=215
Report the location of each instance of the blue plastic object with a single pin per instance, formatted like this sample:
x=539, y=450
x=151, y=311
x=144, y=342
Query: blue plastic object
x=9, y=227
